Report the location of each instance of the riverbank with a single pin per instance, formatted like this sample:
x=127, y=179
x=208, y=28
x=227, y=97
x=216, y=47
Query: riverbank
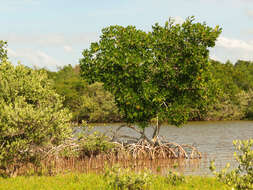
x=96, y=181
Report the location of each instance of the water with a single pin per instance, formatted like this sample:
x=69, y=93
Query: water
x=213, y=140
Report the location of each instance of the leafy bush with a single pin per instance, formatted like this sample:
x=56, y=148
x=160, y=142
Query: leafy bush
x=124, y=179
x=94, y=144
x=32, y=118
x=174, y=178
x=87, y=143
x=242, y=177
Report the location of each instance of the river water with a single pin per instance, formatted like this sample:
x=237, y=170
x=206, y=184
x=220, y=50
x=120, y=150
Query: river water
x=213, y=139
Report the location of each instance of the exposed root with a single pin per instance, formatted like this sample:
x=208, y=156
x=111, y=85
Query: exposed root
x=157, y=148
x=124, y=149
x=144, y=150
x=132, y=148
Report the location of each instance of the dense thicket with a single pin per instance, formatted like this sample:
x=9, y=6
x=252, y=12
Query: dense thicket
x=32, y=117
x=92, y=103
x=235, y=83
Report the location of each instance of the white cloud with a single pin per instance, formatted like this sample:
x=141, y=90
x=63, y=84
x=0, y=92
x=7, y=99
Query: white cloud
x=12, y=53
x=67, y=48
x=13, y=5
x=50, y=39
x=247, y=1
x=31, y=49
x=250, y=13
x=53, y=39
x=250, y=31
x=18, y=2
x=45, y=59
x=213, y=56
x=178, y=20
x=232, y=49
x=35, y=58
x=235, y=44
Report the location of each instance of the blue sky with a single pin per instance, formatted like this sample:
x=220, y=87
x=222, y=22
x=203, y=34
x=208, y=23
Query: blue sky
x=53, y=33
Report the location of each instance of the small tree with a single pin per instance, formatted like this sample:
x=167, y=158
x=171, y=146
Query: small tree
x=159, y=74
x=32, y=118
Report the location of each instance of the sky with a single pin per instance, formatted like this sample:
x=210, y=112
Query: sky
x=53, y=33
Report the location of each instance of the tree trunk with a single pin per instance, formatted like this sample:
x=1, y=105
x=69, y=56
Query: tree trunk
x=156, y=130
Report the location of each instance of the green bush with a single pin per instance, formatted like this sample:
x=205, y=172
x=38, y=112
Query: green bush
x=242, y=177
x=174, y=178
x=87, y=143
x=93, y=143
x=124, y=179
x=32, y=118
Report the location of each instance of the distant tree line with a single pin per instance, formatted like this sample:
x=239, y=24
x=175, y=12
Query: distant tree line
x=86, y=102
x=93, y=104
x=236, y=83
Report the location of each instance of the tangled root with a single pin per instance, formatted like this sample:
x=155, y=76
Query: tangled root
x=145, y=150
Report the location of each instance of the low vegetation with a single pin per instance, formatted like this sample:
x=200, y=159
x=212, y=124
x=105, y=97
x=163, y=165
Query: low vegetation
x=240, y=178
x=125, y=180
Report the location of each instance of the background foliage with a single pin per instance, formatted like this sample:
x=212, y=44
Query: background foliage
x=92, y=103
x=87, y=102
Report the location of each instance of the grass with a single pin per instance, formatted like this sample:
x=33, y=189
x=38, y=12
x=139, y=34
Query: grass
x=98, y=182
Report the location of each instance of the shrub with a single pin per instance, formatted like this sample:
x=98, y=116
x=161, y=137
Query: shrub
x=242, y=177
x=87, y=143
x=124, y=179
x=95, y=144
x=32, y=118
x=174, y=178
